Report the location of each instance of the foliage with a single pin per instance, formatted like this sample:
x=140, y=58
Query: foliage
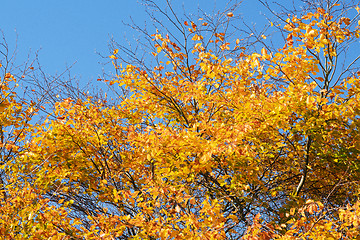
x=212, y=143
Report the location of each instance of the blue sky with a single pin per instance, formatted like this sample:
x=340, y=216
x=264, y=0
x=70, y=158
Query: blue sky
x=70, y=31
x=74, y=31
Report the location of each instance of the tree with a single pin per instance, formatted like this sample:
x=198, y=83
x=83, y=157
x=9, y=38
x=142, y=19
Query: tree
x=219, y=140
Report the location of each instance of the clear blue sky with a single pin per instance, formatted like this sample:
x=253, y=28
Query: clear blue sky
x=71, y=31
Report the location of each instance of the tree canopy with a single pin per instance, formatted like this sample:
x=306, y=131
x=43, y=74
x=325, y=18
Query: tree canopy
x=215, y=137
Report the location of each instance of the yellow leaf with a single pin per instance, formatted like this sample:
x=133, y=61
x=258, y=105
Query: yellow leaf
x=292, y=211
x=196, y=37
